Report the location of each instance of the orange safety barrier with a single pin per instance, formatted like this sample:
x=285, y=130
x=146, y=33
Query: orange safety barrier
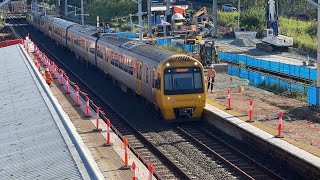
x=126, y=155
x=250, y=111
x=77, y=96
x=97, y=120
x=151, y=170
x=229, y=100
x=67, y=85
x=280, y=126
x=134, y=177
x=108, y=134
x=87, y=107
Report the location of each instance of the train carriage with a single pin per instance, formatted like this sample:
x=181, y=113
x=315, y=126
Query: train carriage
x=45, y=25
x=81, y=41
x=59, y=29
x=174, y=83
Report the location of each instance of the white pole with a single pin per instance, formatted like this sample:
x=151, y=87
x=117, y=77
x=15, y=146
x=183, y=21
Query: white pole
x=318, y=58
x=82, y=13
x=66, y=8
x=149, y=19
x=238, y=15
x=140, y=19
x=215, y=17
x=131, y=25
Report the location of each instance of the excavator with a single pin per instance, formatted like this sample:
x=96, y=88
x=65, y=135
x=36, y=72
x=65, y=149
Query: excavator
x=203, y=15
x=193, y=38
x=272, y=41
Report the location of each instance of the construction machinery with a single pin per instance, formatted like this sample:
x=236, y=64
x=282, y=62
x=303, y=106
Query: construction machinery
x=272, y=41
x=200, y=17
x=179, y=22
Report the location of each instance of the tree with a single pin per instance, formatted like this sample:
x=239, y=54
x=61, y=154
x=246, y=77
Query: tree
x=252, y=19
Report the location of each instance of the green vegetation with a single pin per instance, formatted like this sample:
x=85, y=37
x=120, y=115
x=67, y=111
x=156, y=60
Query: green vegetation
x=242, y=65
x=252, y=19
x=172, y=48
x=297, y=94
x=228, y=18
x=110, y=9
x=304, y=33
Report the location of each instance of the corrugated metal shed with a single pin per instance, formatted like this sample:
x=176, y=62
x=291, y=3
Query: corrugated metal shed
x=32, y=143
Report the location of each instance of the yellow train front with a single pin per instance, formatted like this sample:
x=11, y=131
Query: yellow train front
x=180, y=88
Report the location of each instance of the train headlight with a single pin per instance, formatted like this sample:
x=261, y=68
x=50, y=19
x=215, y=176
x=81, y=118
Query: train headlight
x=168, y=98
x=196, y=63
x=199, y=96
x=168, y=64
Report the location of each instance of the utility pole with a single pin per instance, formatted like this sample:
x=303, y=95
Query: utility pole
x=82, y=13
x=149, y=19
x=131, y=24
x=167, y=12
x=66, y=8
x=317, y=5
x=239, y=15
x=318, y=58
x=140, y=19
x=215, y=17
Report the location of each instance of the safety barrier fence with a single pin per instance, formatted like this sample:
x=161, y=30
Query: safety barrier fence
x=258, y=79
x=287, y=69
x=82, y=100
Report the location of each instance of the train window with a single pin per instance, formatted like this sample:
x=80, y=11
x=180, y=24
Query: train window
x=69, y=37
x=100, y=54
x=91, y=50
x=130, y=70
x=147, y=75
x=158, y=82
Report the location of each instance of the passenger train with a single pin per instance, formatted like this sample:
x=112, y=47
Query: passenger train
x=172, y=82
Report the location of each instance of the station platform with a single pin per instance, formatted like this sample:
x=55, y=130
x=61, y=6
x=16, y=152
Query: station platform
x=38, y=141
x=110, y=159
x=235, y=125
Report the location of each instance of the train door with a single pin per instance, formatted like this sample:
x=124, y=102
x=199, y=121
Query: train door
x=147, y=82
x=138, y=77
x=153, y=77
x=86, y=51
x=106, y=60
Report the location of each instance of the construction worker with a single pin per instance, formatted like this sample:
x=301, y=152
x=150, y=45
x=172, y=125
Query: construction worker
x=210, y=77
x=47, y=76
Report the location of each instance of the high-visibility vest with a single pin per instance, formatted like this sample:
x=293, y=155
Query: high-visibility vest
x=48, y=77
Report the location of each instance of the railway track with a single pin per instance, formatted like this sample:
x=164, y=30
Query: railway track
x=140, y=145
x=217, y=148
x=157, y=143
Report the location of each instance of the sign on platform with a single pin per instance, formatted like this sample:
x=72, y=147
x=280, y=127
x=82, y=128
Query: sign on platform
x=31, y=47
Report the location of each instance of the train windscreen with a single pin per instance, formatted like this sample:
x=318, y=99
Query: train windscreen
x=183, y=81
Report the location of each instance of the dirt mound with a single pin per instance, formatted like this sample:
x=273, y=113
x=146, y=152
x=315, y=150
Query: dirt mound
x=243, y=42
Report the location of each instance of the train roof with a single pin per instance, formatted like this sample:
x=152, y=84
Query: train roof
x=62, y=22
x=149, y=51
x=84, y=30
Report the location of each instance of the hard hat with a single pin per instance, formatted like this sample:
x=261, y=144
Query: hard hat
x=212, y=66
x=46, y=69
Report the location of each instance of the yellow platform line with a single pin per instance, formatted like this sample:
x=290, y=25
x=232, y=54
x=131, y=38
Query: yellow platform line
x=313, y=150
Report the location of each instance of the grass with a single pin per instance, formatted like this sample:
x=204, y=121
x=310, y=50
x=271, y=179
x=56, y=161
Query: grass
x=172, y=48
x=297, y=94
x=303, y=33
x=228, y=18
